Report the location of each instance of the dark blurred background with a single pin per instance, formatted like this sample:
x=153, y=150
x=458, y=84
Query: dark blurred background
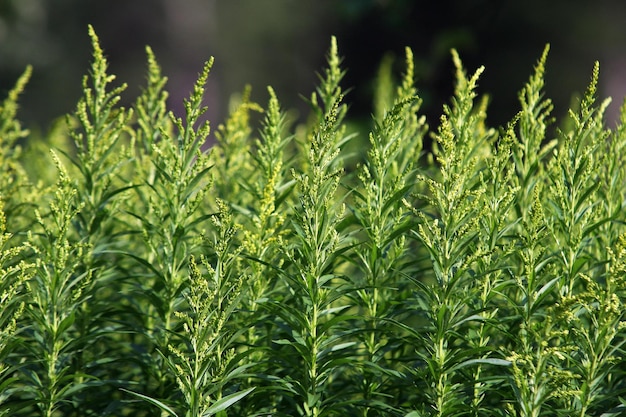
x=283, y=42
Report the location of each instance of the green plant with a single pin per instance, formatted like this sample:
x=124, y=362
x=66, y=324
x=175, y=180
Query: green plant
x=13, y=274
x=387, y=176
x=277, y=272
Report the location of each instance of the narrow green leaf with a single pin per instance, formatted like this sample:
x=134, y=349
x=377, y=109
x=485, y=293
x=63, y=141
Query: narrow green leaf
x=226, y=402
x=485, y=361
x=152, y=401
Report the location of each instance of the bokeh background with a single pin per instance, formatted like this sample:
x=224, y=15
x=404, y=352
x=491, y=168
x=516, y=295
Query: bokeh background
x=283, y=42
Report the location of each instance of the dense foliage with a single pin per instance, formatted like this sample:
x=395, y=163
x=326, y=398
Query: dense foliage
x=302, y=270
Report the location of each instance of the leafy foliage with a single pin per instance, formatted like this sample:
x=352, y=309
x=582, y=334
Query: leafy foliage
x=275, y=272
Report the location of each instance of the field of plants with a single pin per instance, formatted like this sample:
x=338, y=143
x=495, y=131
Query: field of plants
x=307, y=268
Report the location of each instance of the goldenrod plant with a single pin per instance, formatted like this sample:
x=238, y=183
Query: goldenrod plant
x=150, y=266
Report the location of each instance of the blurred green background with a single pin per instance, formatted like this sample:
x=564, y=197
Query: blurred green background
x=283, y=42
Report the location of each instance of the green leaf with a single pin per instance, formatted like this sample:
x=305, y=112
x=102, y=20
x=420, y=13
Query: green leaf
x=226, y=402
x=152, y=401
x=543, y=292
x=485, y=361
